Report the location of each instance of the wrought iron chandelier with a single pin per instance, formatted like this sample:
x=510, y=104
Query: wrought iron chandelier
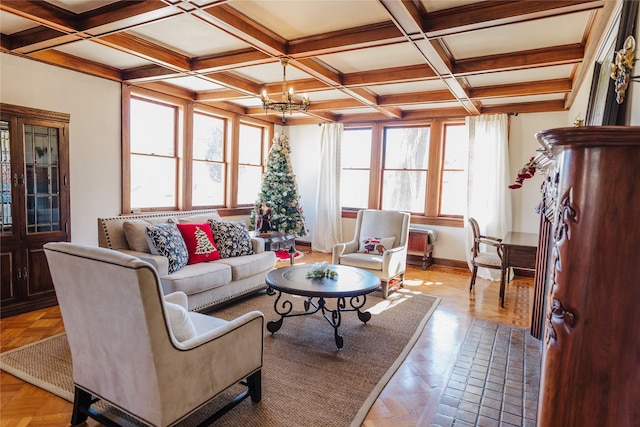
x=288, y=103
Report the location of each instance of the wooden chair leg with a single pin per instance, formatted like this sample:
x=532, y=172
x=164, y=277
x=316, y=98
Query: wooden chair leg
x=384, y=286
x=473, y=278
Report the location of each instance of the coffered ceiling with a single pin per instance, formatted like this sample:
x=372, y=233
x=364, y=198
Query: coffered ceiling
x=357, y=60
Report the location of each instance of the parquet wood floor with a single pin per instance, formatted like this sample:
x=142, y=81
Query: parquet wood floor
x=411, y=397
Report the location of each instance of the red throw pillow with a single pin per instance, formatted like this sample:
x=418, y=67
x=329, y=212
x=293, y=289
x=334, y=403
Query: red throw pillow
x=199, y=241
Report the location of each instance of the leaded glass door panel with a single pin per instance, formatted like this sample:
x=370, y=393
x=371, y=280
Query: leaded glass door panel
x=35, y=203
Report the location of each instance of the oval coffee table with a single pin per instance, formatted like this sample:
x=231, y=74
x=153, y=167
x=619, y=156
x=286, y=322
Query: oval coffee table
x=352, y=284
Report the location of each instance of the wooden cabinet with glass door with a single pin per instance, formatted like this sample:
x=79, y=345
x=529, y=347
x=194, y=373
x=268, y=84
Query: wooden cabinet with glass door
x=35, y=203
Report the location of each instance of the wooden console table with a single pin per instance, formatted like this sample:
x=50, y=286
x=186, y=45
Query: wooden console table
x=519, y=250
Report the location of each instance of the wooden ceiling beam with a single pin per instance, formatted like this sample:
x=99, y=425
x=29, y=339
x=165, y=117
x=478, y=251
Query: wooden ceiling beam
x=82, y=65
x=389, y=75
x=343, y=40
x=407, y=15
x=235, y=82
x=416, y=97
x=144, y=49
x=230, y=60
x=556, y=55
x=42, y=13
x=336, y=104
x=526, y=107
x=149, y=73
x=237, y=24
x=487, y=14
x=522, y=89
x=124, y=15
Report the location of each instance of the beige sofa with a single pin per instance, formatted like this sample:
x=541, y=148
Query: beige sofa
x=206, y=284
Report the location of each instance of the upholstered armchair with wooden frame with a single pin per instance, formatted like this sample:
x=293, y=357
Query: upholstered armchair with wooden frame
x=142, y=352
x=379, y=245
x=486, y=259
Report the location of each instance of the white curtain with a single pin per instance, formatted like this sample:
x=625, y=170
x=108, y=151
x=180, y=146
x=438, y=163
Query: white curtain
x=488, y=194
x=327, y=230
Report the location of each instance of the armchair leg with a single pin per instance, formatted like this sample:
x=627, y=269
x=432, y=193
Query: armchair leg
x=81, y=405
x=473, y=278
x=254, y=382
x=398, y=281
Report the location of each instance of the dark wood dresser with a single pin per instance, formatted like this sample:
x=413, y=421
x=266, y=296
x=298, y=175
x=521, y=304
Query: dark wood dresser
x=591, y=346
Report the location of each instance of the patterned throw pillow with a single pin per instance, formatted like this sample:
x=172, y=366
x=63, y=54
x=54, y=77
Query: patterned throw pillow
x=199, y=241
x=166, y=240
x=376, y=245
x=232, y=238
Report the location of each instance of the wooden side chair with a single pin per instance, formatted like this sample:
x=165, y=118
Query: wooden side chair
x=486, y=259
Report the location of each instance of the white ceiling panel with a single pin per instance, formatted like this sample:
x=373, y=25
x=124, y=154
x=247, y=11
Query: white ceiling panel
x=189, y=36
x=295, y=19
x=395, y=55
x=272, y=72
x=429, y=106
x=535, y=34
x=433, y=5
x=354, y=111
x=10, y=23
x=81, y=6
x=194, y=83
x=519, y=76
x=325, y=95
x=105, y=55
x=409, y=87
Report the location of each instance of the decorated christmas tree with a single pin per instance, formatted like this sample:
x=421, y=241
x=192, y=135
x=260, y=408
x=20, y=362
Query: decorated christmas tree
x=279, y=191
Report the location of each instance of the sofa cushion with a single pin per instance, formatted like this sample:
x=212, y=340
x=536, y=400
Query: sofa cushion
x=232, y=238
x=135, y=232
x=166, y=240
x=181, y=324
x=196, y=278
x=376, y=245
x=362, y=260
x=199, y=241
x=199, y=218
x=250, y=265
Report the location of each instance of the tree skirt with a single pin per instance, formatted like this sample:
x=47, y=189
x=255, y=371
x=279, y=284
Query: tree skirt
x=283, y=255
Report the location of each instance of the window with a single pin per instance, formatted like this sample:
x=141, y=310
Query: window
x=209, y=177
x=154, y=157
x=415, y=167
x=180, y=155
x=453, y=200
x=355, y=161
x=405, y=167
x=250, y=158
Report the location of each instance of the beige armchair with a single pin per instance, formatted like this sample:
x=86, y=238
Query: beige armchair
x=379, y=245
x=141, y=352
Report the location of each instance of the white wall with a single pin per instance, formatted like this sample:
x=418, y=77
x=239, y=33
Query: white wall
x=522, y=146
x=94, y=133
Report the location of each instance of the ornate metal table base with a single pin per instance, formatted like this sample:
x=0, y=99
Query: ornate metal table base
x=334, y=316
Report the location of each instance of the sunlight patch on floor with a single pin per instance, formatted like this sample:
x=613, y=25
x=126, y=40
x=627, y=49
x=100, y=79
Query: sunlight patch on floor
x=409, y=283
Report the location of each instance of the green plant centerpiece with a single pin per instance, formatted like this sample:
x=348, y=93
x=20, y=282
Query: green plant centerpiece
x=320, y=270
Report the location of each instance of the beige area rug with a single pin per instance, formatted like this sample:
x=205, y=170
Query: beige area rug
x=306, y=381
